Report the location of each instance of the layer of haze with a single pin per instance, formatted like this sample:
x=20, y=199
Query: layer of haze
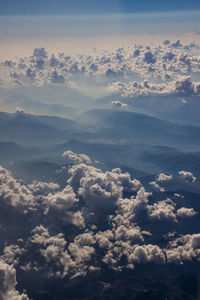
x=20, y=34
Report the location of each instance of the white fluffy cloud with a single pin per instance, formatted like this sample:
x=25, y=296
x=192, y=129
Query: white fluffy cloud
x=8, y=283
x=14, y=193
x=184, y=248
x=42, y=188
x=163, y=211
x=62, y=259
x=169, y=63
x=163, y=177
x=58, y=204
x=20, y=110
x=100, y=190
x=181, y=86
x=98, y=217
x=184, y=212
x=156, y=186
x=119, y=103
x=40, y=52
x=77, y=158
x=187, y=176
x=147, y=253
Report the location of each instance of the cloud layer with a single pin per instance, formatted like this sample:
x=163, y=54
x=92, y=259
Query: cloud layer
x=97, y=218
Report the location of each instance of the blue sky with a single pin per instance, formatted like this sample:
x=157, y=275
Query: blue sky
x=30, y=7
x=98, y=24
x=40, y=20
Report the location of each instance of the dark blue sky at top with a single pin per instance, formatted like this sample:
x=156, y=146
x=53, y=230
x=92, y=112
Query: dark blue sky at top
x=32, y=7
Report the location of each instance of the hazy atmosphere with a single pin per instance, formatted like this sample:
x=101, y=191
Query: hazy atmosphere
x=99, y=150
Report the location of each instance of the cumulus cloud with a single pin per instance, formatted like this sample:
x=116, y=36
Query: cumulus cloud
x=136, y=53
x=20, y=110
x=30, y=73
x=187, y=176
x=181, y=87
x=77, y=158
x=62, y=260
x=156, y=186
x=147, y=253
x=176, y=44
x=169, y=56
x=149, y=58
x=14, y=193
x=42, y=188
x=98, y=217
x=40, y=52
x=8, y=63
x=8, y=283
x=166, y=42
x=184, y=248
x=163, y=177
x=119, y=103
x=163, y=61
x=54, y=61
x=163, y=211
x=56, y=78
x=59, y=203
x=12, y=254
x=184, y=212
x=100, y=190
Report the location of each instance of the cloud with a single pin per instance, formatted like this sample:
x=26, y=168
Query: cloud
x=14, y=193
x=42, y=188
x=157, y=186
x=56, y=78
x=184, y=248
x=8, y=283
x=163, y=177
x=98, y=217
x=187, y=176
x=184, y=212
x=62, y=260
x=54, y=62
x=147, y=253
x=163, y=61
x=58, y=204
x=163, y=211
x=40, y=52
x=166, y=42
x=20, y=110
x=169, y=56
x=177, y=44
x=136, y=53
x=119, y=103
x=8, y=63
x=100, y=190
x=149, y=58
x=183, y=86
x=12, y=254
x=77, y=158
x=30, y=73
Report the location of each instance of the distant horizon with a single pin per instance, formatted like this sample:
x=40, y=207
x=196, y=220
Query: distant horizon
x=80, y=25
x=23, y=7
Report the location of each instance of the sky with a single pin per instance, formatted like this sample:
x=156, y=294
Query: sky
x=27, y=24
x=24, y=7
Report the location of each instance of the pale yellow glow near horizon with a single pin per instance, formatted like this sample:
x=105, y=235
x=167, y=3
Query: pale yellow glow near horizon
x=21, y=47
